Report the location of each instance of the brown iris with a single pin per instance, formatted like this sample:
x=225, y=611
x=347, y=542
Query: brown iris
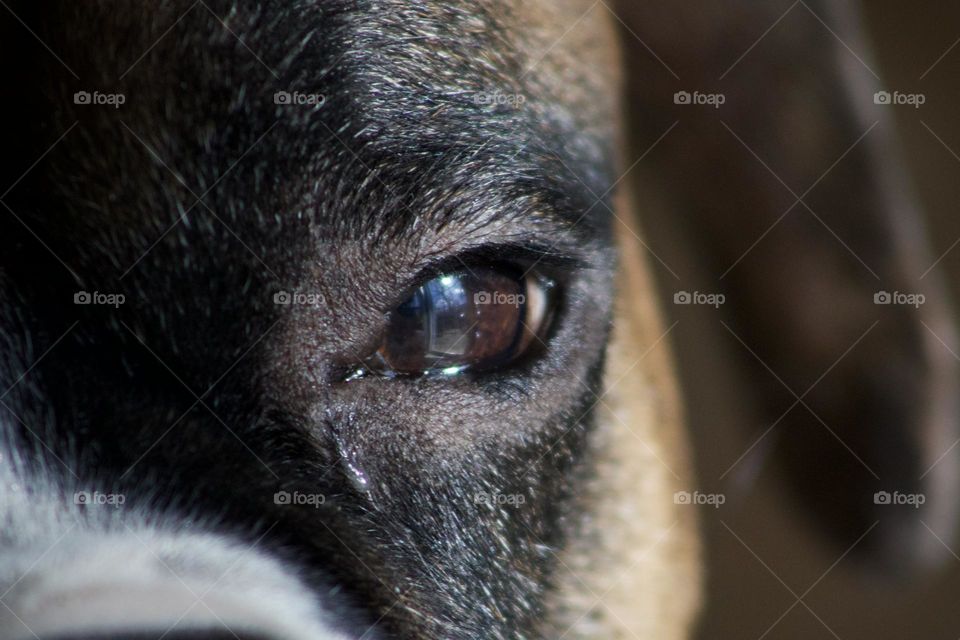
x=479, y=319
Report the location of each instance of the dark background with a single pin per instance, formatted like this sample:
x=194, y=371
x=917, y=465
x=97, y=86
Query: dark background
x=746, y=599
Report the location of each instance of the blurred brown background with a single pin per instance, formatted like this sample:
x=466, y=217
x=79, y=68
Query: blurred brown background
x=760, y=544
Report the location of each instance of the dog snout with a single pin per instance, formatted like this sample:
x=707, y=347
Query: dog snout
x=144, y=584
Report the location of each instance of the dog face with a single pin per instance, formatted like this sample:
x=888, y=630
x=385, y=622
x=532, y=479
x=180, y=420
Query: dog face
x=346, y=279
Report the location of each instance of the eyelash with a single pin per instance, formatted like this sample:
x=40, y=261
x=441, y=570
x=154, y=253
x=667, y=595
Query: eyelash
x=542, y=260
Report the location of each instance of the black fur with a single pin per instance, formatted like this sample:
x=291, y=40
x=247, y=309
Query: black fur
x=401, y=168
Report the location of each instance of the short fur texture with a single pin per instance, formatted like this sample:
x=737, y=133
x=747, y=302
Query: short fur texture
x=199, y=398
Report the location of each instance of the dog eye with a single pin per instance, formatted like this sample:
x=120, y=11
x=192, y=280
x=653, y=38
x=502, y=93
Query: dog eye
x=479, y=319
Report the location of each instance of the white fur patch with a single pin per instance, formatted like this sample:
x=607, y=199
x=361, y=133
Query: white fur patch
x=86, y=582
x=66, y=569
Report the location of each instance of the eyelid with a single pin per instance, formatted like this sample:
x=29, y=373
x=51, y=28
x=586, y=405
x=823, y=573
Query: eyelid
x=540, y=259
x=545, y=257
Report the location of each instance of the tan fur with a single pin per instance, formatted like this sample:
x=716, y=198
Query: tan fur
x=636, y=572
x=633, y=570
x=569, y=53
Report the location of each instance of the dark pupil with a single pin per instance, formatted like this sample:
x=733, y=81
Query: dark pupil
x=466, y=319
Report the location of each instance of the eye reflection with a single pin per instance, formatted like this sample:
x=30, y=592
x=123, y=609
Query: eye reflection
x=479, y=319
x=447, y=299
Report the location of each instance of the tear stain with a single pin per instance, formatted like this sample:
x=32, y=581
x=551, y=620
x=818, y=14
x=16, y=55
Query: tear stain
x=350, y=465
x=356, y=475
